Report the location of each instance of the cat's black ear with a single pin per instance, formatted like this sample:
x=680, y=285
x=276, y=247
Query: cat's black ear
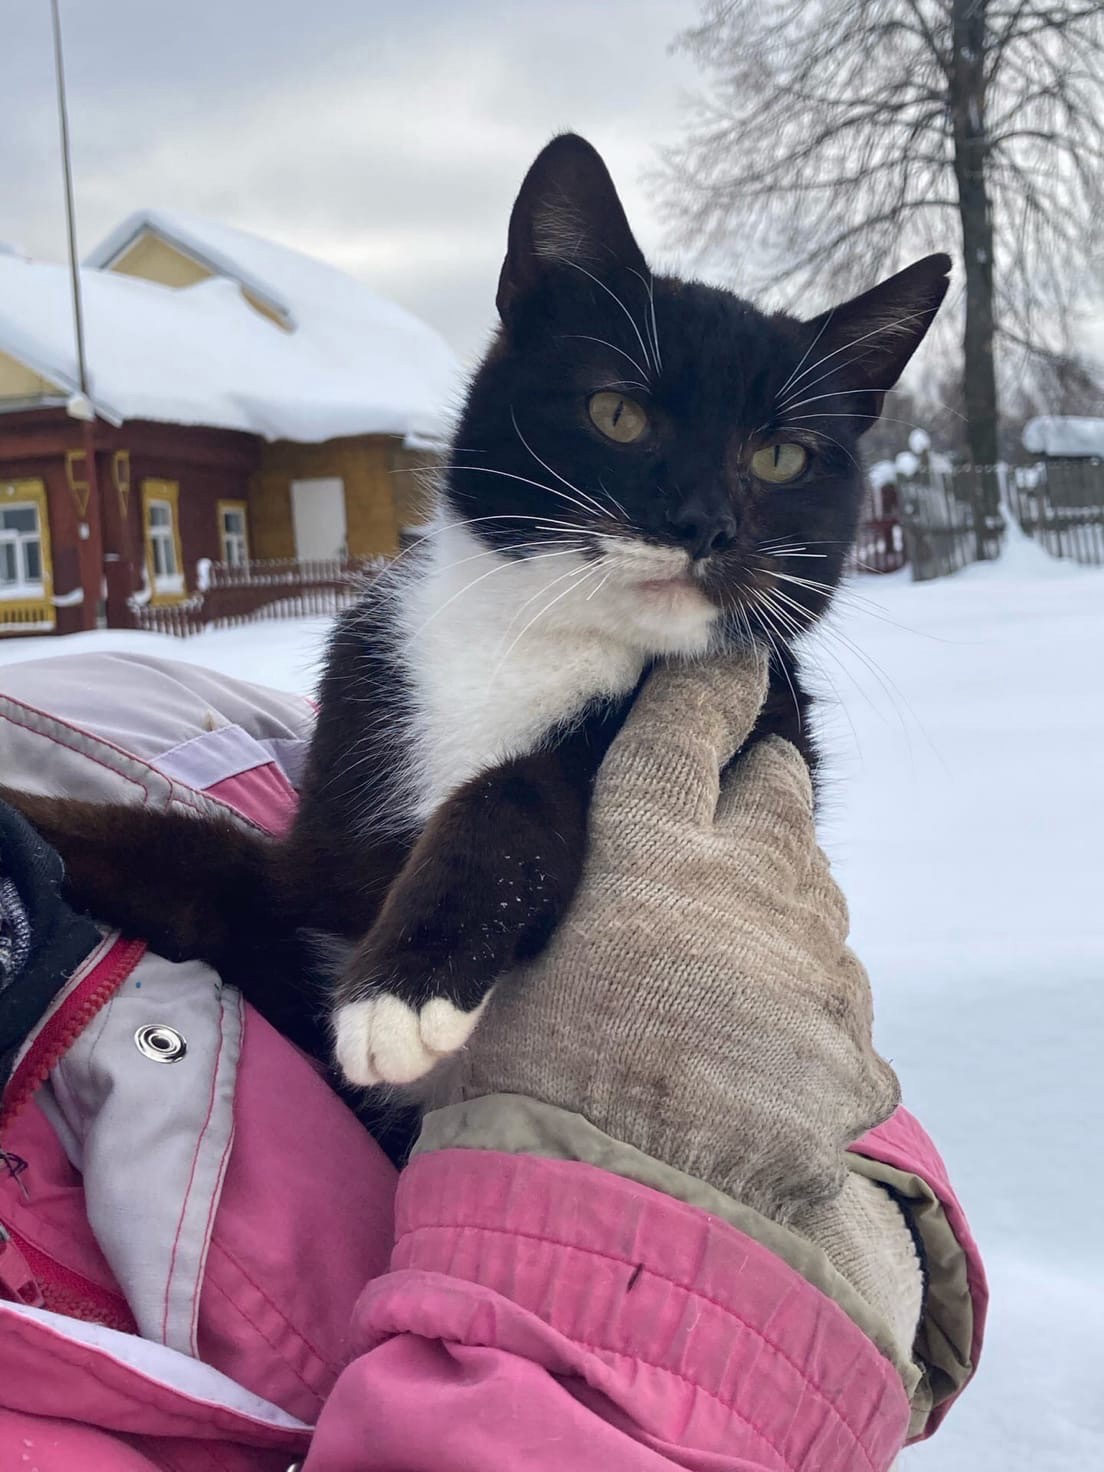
x=567, y=210
x=862, y=345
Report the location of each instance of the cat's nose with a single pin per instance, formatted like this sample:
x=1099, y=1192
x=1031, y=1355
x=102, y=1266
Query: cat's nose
x=703, y=533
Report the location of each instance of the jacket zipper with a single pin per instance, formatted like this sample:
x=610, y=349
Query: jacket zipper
x=61, y=1031
x=17, y=1282
x=27, y=1274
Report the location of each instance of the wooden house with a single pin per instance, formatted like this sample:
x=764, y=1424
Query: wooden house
x=244, y=402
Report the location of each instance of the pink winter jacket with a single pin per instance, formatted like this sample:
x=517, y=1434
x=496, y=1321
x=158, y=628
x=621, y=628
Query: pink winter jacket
x=209, y=1265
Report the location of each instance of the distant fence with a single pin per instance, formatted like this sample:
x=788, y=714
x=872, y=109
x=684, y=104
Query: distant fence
x=260, y=590
x=1060, y=503
x=952, y=517
x=879, y=546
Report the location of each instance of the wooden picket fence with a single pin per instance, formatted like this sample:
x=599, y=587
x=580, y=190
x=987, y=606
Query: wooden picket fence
x=952, y=518
x=879, y=546
x=286, y=588
x=1060, y=503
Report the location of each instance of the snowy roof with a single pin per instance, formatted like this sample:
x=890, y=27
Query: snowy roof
x=1055, y=434
x=345, y=362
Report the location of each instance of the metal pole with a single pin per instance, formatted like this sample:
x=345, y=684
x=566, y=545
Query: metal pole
x=74, y=272
x=88, y=573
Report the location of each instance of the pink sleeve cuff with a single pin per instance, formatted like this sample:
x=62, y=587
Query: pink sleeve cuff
x=697, y=1339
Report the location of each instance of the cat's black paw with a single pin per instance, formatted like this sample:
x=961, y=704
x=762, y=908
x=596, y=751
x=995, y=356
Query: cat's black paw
x=393, y=1023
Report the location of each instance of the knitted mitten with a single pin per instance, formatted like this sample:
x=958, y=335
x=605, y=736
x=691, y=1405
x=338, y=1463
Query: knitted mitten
x=700, y=1001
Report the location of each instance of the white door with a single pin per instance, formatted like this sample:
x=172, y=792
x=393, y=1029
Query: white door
x=318, y=515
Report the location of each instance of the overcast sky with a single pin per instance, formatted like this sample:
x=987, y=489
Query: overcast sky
x=387, y=138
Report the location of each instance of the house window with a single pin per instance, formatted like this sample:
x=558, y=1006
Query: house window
x=164, y=558
x=162, y=541
x=20, y=550
x=233, y=533
x=26, y=574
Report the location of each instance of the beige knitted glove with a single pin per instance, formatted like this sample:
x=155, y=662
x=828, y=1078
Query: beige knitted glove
x=700, y=1002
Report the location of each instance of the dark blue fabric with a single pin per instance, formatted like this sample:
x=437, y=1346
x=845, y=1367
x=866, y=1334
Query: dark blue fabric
x=42, y=941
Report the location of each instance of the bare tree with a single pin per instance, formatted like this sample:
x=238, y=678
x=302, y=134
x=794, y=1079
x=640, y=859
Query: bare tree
x=836, y=137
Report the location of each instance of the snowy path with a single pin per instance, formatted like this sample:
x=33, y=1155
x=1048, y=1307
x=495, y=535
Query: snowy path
x=964, y=810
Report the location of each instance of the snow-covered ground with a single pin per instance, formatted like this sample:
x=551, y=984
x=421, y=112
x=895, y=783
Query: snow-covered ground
x=964, y=813
x=964, y=809
x=285, y=654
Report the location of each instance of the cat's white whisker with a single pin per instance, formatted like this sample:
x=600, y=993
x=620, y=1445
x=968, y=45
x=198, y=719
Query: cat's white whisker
x=844, y=593
x=524, y=479
x=501, y=566
x=545, y=544
x=580, y=505
x=380, y=578
x=632, y=320
x=540, y=613
x=816, y=398
x=827, y=632
x=790, y=577
x=831, y=438
x=797, y=549
x=823, y=648
x=771, y=629
x=793, y=378
x=612, y=499
x=649, y=287
x=582, y=337
x=562, y=480
x=541, y=591
x=878, y=331
x=745, y=624
x=602, y=584
x=796, y=630
x=557, y=539
x=621, y=383
x=801, y=617
x=580, y=530
x=655, y=325
x=883, y=418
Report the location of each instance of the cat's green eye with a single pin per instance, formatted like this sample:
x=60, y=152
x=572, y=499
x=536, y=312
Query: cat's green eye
x=618, y=418
x=779, y=463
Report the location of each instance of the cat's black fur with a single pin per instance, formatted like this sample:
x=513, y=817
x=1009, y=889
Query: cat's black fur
x=580, y=314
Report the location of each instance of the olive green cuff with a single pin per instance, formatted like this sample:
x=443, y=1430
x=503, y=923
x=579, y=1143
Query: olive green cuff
x=945, y=1334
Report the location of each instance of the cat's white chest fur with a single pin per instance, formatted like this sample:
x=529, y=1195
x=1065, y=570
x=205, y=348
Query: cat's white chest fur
x=498, y=651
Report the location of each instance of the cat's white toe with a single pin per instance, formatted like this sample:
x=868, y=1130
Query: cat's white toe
x=444, y=1028
x=383, y=1040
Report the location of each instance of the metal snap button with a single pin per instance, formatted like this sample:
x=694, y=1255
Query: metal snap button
x=162, y=1044
x=295, y=1467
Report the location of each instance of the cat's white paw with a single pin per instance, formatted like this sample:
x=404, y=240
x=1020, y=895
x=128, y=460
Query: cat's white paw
x=383, y=1040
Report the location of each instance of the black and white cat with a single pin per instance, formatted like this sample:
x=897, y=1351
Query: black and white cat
x=644, y=468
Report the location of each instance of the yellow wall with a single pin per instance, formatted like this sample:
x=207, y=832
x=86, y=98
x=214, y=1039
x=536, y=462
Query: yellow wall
x=377, y=502
x=17, y=382
x=413, y=479
x=154, y=259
